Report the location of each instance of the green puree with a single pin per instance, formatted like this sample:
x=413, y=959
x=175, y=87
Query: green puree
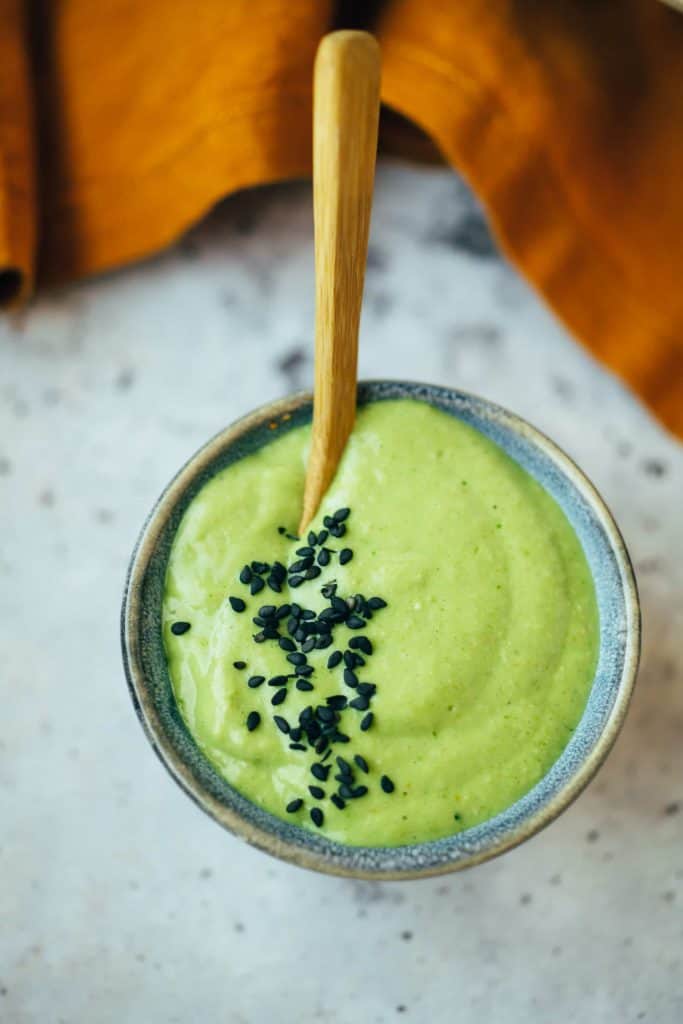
x=483, y=657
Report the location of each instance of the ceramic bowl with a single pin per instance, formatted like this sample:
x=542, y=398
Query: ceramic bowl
x=150, y=686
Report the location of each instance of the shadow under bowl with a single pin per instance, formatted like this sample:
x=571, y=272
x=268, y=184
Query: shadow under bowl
x=619, y=649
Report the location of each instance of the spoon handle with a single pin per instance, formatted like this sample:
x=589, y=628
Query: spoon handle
x=345, y=118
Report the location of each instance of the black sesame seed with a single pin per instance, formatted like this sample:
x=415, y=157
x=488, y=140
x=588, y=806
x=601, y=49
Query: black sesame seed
x=312, y=539
x=361, y=643
x=306, y=715
x=274, y=585
x=324, y=557
x=344, y=766
x=350, y=678
x=267, y=611
x=334, y=659
x=281, y=723
x=282, y=529
x=304, y=685
x=328, y=754
x=321, y=745
x=278, y=697
x=256, y=585
x=259, y=638
x=338, y=702
x=376, y=603
x=308, y=645
x=295, y=581
x=294, y=805
x=300, y=566
x=320, y=771
x=328, y=521
x=178, y=628
x=337, y=801
x=237, y=604
x=323, y=642
x=300, y=635
x=367, y=689
x=338, y=530
x=296, y=746
x=305, y=552
x=339, y=605
x=341, y=514
x=292, y=624
x=239, y=664
x=278, y=681
x=345, y=555
x=359, y=703
x=290, y=536
x=312, y=573
x=358, y=791
x=317, y=816
x=283, y=611
x=286, y=644
x=340, y=737
x=386, y=784
x=296, y=658
x=295, y=609
x=278, y=572
x=260, y=567
x=307, y=614
x=253, y=720
x=324, y=626
x=317, y=792
x=255, y=681
x=345, y=791
x=313, y=732
x=361, y=762
x=367, y=721
x=355, y=622
x=349, y=659
x=270, y=632
x=245, y=575
x=305, y=670
x=322, y=536
x=325, y=714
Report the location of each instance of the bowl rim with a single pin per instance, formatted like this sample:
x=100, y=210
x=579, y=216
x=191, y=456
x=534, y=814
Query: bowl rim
x=269, y=841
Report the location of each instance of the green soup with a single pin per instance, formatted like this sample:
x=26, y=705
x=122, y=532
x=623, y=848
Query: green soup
x=482, y=658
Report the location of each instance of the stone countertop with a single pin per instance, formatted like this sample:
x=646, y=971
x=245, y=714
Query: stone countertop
x=120, y=901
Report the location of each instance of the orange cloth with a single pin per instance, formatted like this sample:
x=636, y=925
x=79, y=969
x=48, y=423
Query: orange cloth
x=122, y=122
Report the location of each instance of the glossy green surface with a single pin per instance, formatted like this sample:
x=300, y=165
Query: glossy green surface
x=483, y=659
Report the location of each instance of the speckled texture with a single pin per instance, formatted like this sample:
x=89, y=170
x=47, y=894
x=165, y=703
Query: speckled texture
x=120, y=900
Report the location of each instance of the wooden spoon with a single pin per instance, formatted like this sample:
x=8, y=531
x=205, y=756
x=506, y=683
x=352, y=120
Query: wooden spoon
x=345, y=117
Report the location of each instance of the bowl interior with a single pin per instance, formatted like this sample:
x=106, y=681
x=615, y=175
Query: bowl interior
x=153, y=697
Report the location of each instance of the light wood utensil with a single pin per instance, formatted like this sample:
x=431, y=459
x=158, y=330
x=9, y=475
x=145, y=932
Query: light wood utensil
x=345, y=118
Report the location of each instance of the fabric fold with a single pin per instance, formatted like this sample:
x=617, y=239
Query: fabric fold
x=17, y=156
x=564, y=117
x=146, y=125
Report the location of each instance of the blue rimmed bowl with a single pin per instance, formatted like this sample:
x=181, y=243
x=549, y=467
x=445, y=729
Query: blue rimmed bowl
x=617, y=596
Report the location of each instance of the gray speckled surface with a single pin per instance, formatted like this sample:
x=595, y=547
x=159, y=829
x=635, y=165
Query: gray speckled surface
x=119, y=900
